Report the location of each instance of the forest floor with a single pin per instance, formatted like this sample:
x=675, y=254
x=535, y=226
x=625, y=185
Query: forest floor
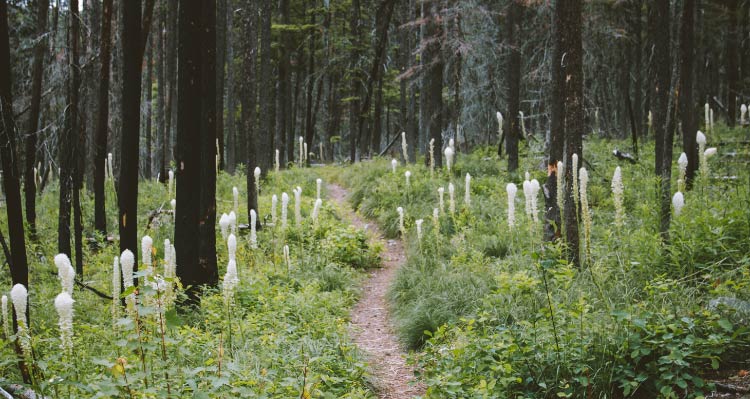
x=371, y=328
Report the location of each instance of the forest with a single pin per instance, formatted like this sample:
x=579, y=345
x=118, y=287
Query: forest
x=375, y=198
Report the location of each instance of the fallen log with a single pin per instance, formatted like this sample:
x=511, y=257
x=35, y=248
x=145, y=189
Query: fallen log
x=624, y=156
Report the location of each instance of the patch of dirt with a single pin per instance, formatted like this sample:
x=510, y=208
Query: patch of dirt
x=371, y=328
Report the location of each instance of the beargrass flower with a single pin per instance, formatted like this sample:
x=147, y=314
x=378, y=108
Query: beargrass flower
x=6, y=317
x=287, y=259
x=711, y=151
x=224, y=225
x=576, y=190
x=451, y=198
x=467, y=191
x=127, y=263
x=394, y=163
x=527, y=196
x=441, y=203
x=173, y=203
x=499, y=125
x=418, y=223
x=146, y=245
x=682, y=164
x=232, y=222
x=534, y=200
x=511, y=189
x=284, y=206
x=436, y=221
x=274, y=201
x=448, y=158
x=743, y=112
x=298, y=207
x=231, y=280
x=19, y=296
x=678, y=202
x=170, y=185
x=116, y=281
x=707, y=112
x=617, y=192
x=319, y=184
x=316, y=211
x=276, y=162
x=65, y=273
x=407, y=175
x=236, y=198
x=523, y=124
x=256, y=175
x=404, y=147
x=301, y=150
x=253, y=234
x=64, y=307
x=585, y=212
x=232, y=246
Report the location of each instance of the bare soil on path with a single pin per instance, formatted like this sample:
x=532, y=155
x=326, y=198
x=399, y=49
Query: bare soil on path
x=371, y=328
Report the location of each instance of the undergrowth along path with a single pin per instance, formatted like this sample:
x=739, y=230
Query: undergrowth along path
x=371, y=327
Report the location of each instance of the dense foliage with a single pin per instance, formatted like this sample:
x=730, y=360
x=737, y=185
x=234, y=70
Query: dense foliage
x=497, y=312
x=284, y=336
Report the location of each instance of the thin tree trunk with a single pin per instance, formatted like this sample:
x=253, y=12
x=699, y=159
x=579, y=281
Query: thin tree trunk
x=284, y=90
x=100, y=135
x=309, y=128
x=221, y=57
x=266, y=99
x=687, y=107
x=231, y=155
x=19, y=269
x=514, y=86
x=171, y=64
x=731, y=56
x=355, y=111
x=147, y=100
x=37, y=74
x=249, y=103
x=434, y=79
x=663, y=136
x=161, y=97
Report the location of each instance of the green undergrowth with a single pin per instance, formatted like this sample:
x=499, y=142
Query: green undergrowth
x=495, y=311
x=283, y=335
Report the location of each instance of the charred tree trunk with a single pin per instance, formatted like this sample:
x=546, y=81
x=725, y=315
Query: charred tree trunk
x=514, y=84
x=171, y=65
x=309, y=128
x=102, y=120
x=148, y=96
x=355, y=110
x=19, y=269
x=130, y=111
x=230, y=160
x=687, y=103
x=207, y=219
x=433, y=61
x=283, y=110
x=662, y=62
x=37, y=75
x=161, y=97
x=249, y=103
x=221, y=60
x=265, y=136
x=732, y=70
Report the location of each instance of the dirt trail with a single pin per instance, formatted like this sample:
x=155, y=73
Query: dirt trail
x=371, y=327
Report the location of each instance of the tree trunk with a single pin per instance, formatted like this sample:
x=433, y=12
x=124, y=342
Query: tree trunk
x=660, y=21
x=231, y=137
x=284, y=90
x=687, y=103
x=19, y=269
x=732, y=70
x=207, y=212
x=355, y=111
x=309, y=128
x=194, y=125
x=102, y=121
x=37, y=74
x=377, y=127
x=130, y=111
x=249, y=103
x=433, y=61
x=515, y=15
x=161, y=97
x=221, y=58
x=170, y=116
x=266, y=98
x=147, y=100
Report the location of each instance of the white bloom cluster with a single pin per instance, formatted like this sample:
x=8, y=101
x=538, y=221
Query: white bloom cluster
x=467, y=191
x=284, y=206
x=682, y=164
x=678, y=202
x=116, y=281
x=19, y=296
x=585, y=212
x=253, y=233
x=451, y=198
x=407, y=175
x=404, y=147
x=147, y=244
x=298, y=206
x=400, y=211
x=441, y=203
x=432, y=157
x=65, y=272
x=418, y=223
x=394, y=163
x=224, y=225
x=64, y=307
x=617, y=192
x=127, y=261
x=236, y=197
x=319, y=184
x=511, y=189
x=274, y=201
x=448, y=158
x=316, y=210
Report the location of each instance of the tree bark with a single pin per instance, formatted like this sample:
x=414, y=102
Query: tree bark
x=37, y=75
x=284, y=92
x=309, y=128
x=19, y=269
x=161, y=96
x=130, y=112
x=230, y=161
x=148, y=96
x=660, y=21
x=102, y=121
x=433, y=59
x=221, y=62
x=515, y=15
x=731, y=54
x=687, y=103
x=249, y=103
x=355, y=111
x=266, y=98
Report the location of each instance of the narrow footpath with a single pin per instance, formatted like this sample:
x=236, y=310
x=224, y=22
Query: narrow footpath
x=371, y=328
